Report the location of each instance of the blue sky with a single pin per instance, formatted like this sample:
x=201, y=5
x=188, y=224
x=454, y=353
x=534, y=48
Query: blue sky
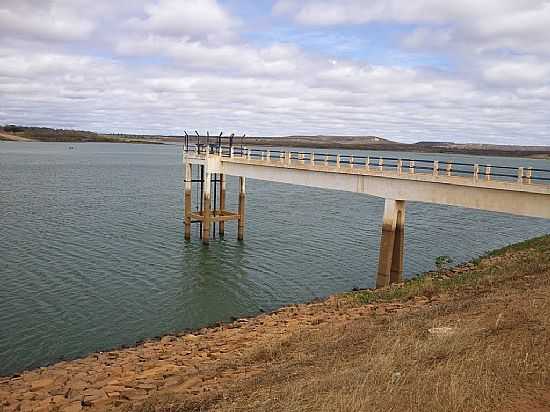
x=465, y=71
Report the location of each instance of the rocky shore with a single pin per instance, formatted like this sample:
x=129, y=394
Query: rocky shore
x=184, y=364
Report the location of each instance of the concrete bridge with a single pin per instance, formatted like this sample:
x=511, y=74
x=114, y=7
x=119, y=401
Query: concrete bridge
x=519, y=191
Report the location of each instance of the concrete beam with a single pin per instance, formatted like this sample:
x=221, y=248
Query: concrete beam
x=496, y=196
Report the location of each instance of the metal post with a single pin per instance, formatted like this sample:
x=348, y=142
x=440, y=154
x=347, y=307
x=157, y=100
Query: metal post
x=198, y=141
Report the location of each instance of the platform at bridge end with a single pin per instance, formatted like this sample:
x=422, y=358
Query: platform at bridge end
x=208, y=209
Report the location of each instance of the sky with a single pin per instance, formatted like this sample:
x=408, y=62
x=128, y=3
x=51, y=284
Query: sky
x=407, y=70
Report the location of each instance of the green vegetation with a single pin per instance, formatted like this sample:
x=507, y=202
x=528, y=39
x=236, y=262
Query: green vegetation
x=442, y=262
x=533, y=252
x=46, y=134
x=473, y=340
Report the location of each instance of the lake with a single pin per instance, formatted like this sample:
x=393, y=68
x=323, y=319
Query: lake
x=92, y=254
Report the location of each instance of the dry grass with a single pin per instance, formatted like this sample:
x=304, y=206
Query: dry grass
x=496, y=356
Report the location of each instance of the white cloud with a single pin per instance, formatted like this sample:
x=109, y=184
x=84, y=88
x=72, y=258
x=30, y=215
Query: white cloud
x=174, y=65
x=520, y=71
x=488, y=24
x=46, y=20
x=198, y=19
x=274, y=60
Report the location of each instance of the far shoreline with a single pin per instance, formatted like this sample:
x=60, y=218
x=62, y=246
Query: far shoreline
x=523, y=154
x=333, y=142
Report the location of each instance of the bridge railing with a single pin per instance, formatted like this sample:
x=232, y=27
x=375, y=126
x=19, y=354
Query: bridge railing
x=410, y=166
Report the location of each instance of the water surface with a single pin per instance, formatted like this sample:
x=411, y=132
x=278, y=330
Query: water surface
x=92, y=252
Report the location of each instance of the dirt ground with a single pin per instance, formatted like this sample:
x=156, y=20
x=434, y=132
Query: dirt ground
x=13, y=137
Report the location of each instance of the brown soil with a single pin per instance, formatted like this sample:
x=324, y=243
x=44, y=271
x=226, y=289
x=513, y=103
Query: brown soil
x=476, y=338
x=13, y=137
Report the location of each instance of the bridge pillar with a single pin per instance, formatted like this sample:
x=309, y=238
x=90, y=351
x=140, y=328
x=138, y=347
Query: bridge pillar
x=240, y=229
x=390, y=260
x=398, y=256
x=187, y=200
x=206, y=208
x=222, y=204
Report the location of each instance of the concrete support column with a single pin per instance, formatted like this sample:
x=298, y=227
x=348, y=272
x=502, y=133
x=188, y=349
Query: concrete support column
x=222, y=203
x=206, y=205
x=398, y=256
x=187, y=200
x=242, y=198
x=390, y=261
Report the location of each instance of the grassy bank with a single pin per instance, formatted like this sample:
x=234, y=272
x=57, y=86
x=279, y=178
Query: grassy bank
x=69, y=136
x=476, y=337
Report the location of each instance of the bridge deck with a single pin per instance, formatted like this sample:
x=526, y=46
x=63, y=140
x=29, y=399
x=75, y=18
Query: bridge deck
x=403, y=173
x=520, y=191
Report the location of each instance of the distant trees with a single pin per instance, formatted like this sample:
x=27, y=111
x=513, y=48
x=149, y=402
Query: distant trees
x=47, y=134
x=11, y=128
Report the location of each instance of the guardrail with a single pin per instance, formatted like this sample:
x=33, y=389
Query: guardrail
x=524, y=175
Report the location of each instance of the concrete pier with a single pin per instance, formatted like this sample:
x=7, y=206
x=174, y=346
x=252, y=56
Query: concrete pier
x=222, y=204
x=398, y=258
x=187, y=200
x=520, y=193
x=242, y=199
x=206, y=208
x=390, y=260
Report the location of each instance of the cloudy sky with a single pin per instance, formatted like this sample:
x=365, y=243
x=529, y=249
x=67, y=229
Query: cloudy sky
x=408, y=70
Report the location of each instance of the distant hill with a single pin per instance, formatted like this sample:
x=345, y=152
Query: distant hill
x=366, y=142
x=46, y=134
x=481, y=146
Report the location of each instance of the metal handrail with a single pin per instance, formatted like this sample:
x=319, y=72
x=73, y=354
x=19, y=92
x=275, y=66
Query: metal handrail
x=402, y=165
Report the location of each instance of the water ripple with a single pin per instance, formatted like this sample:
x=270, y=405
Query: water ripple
x=93, y=254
